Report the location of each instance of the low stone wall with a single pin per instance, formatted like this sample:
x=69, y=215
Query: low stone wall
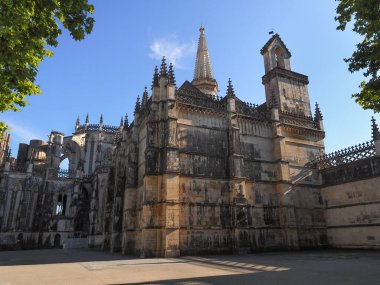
x=75, y=243
x=353, y=212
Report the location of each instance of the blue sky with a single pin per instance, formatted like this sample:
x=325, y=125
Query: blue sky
x=105, y=72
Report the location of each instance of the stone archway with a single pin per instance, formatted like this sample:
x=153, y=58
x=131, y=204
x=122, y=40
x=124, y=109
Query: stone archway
x=57, y=241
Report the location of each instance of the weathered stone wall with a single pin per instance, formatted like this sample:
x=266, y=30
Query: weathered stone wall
x=353, y=213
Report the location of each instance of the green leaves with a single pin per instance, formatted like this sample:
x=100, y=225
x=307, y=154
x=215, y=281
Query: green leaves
x=365, y=15
x=27, y=28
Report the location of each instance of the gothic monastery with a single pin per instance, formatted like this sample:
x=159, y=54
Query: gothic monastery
x=196, y=172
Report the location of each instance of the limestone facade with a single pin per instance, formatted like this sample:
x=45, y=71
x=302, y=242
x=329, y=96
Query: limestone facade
x=194, y=172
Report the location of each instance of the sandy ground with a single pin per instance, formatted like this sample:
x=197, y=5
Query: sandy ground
x=59, y=266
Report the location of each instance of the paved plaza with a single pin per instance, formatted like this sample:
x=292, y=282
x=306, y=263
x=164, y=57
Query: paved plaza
x=60, y=266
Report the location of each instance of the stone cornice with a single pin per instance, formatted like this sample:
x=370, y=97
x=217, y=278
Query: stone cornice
x=280, y=72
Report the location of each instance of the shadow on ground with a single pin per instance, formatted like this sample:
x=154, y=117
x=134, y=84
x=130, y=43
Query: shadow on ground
x=51, y=256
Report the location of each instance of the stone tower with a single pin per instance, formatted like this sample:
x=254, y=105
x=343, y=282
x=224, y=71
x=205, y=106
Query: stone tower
x=287, y=88
x=203, y=77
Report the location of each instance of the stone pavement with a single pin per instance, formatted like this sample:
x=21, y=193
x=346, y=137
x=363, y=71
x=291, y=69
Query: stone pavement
x=59, y=266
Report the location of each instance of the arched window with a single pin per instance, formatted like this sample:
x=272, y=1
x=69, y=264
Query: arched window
x=64, y=164
x=279, y=56
x=61, y=205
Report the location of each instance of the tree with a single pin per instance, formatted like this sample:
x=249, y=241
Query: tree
x=27, y=29
x=365, y=15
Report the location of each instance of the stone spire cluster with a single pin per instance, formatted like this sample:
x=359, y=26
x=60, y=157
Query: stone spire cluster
x=203, y=77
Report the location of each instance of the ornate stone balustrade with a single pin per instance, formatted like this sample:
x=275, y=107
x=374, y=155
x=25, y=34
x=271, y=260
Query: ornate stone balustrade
x=97, y=128
x=347, y=155
x=60, y=174
x=252, y=110
x=298, y=120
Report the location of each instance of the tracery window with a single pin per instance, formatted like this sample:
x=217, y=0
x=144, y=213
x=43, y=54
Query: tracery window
x=61, y=205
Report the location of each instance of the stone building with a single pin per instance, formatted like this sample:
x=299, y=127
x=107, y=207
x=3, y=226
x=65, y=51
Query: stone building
x=196, y=172
x=4, y=146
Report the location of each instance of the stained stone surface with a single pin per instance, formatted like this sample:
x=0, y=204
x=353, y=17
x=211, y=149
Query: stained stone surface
x=196, y=173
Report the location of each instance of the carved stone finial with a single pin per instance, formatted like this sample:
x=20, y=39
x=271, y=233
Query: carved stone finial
x=155, y=82
x=144, y=97
x=171, y=76
x=126, y=123
x=138, y=105
x=163, y=70
x=318, y=114
x=77, y=123
x=230, y=89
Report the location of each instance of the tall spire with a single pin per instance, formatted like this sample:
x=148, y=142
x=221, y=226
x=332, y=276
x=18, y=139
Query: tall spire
x=375, y=130
x=87, y=119
x=203, y=77
x=101, y=119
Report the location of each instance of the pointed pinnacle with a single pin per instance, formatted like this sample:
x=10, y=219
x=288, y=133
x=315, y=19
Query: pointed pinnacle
x=126, y=123
x=318, y=114
x=77, y=123
x=101, y=119
x=144, y=97
x=171, y=77
x=155, y=82
x=375, y=130
x=87, y=119
x=138, y=105
x=121, y=122
x=230, y=89
x=163, y=71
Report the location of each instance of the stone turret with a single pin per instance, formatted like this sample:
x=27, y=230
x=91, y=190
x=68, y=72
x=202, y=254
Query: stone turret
x=288, y=88
x=203, y=77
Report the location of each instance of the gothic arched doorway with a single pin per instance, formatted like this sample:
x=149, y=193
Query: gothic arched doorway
x=57, y=240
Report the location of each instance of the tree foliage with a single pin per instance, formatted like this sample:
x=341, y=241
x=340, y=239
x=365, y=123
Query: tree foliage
x=365, y=15
x=27, y=29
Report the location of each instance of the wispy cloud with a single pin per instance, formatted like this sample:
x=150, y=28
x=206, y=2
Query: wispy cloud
x=174, y=50
x=23, y=134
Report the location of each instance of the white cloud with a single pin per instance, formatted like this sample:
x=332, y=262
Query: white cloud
x=22, y=133
x=174, y=50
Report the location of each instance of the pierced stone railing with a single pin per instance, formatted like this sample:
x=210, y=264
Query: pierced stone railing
x=347, y=155
x=60, y=174
x=19, y=167
x=299, y=120
x=252, y=110
x=39, y=169
x=207, y=102
x=96, y=128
